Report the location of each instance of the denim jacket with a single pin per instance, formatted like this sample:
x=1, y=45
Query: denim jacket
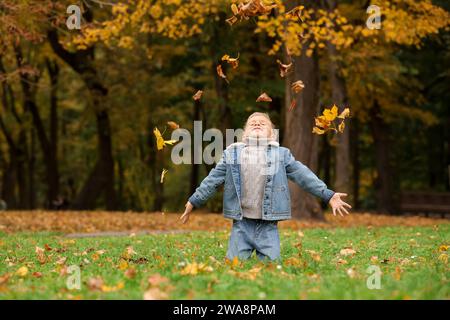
x=281, y=166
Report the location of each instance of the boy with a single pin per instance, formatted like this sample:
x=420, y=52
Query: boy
x=256, y=194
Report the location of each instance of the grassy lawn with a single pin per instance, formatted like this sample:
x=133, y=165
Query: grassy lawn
x=413, y=262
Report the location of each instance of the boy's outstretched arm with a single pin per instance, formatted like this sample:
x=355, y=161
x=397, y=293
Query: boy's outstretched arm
x=307, y=180
x=207, y=188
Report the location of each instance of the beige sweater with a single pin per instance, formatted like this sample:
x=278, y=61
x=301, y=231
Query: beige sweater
x=253, y=166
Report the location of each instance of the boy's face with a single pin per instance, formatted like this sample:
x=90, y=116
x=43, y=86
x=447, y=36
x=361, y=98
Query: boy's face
x=258, y=127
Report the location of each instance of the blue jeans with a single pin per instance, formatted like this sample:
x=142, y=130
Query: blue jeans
x=254, y=234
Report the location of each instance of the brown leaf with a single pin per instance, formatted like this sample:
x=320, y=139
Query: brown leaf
x=95, y=284
x=173, y=125
x=284, y=68
x=156, y=279
x=155, y=294
x=293, y=104
x=234, y=62
x=198, y=95
x=221, y=74
x=264, y=97
x=298, y=86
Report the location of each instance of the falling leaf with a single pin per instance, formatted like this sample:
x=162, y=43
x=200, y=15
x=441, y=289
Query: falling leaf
x=173, y=125
x=341, y=127
x=293, y=104
x=284, y=68
x=160, y=142
x=344, y=114
x=221, y=74
x=443, y=248
x=155, y=294
x=234, y=62
x=331, y=114
x=318, y=130
x=251, y=8
x=232, y=20
x=298, y=86
x=264, y=97
x=163, y=174
x=295, y=12
x=347, y=252
x=197, y=95
x=22, y=271
x=47, y=247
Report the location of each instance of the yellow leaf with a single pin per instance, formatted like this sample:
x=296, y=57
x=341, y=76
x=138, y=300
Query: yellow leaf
x=341, y=127
x=123, y=265
x=317, y=130
x=160, y=142
x=331, y=114
x=344, y=114
x=22, y=271
x=163, y=174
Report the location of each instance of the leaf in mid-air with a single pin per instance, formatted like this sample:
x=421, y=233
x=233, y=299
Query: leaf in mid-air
x=160, y=142
x=220, y=73
x=163, y=174
x=264, y=97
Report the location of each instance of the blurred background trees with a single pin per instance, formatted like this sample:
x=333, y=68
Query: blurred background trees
x=78, y=107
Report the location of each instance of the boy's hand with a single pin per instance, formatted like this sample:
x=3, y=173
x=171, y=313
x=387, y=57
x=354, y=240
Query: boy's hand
x=185, y=217
x=337, y=204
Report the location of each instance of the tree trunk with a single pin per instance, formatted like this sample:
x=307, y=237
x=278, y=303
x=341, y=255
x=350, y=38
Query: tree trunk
x=101, y=178
x=354, y=151
x=298, y=131
x=384, y=182
x=340, y=98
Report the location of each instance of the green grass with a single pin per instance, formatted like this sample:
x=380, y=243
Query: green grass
x=407, y=257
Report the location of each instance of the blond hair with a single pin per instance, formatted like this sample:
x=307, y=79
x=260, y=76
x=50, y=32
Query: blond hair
x=265, y=115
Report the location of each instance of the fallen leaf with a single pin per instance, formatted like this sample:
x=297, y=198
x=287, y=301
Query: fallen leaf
x=314, y=255
x=156, y=279
x=95, y=284
x=351, y=272
x=22, y=271
x=155, y=294
x=347, y=252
